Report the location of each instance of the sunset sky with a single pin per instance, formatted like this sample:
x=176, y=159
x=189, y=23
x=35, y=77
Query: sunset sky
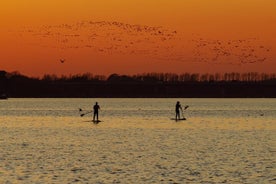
x=137, y=36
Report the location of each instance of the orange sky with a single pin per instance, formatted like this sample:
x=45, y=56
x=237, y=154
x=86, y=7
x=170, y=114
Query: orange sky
x=137, y=36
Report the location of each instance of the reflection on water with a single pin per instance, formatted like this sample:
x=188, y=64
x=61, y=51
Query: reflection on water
x=222, y=141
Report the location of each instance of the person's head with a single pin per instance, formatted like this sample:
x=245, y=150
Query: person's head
x=178, y=102
x=96, y=103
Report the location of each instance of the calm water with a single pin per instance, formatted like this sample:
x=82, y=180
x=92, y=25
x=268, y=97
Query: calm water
x=222, y=141
x=141, y=109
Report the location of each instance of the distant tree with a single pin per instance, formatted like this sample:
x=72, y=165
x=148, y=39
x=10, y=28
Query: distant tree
x=3, y=74
x=48, y=77
x=211, y=78
x=113, y=77
x=195, y=77
x=217, y=77
x=204, y=77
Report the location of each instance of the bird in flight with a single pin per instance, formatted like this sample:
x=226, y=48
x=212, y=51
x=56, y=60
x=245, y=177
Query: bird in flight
x=62, y=60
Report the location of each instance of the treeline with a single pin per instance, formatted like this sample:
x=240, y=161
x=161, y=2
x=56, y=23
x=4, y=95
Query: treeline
x=169, y=77
x=141, y=85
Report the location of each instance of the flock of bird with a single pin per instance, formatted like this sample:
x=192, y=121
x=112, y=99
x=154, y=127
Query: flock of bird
x=107, y=37
x=242, y=51
x=157, y=43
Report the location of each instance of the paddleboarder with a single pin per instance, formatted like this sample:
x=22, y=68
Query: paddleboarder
x=177, y=110
x=96, y=108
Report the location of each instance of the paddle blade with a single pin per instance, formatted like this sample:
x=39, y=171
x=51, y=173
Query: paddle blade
x=82, y=115
x=186, y=107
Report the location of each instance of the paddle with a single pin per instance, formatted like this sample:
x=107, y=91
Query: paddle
x=85, y=113
x=186, y=107
x=80, y=110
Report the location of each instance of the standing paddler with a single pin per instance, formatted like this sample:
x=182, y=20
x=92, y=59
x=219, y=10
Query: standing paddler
x=177, y=110
x=96, y=108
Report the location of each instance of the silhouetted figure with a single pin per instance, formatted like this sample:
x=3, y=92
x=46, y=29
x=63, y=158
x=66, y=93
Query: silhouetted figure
x=177, y=110
x=96, y=108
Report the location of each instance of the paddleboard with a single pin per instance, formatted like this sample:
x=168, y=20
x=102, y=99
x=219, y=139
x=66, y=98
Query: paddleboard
x=96, y=121
x=182, y=119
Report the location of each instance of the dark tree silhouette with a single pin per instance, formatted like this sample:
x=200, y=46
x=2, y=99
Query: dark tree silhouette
x=231, y=84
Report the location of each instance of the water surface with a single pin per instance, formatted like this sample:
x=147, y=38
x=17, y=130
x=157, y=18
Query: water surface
x=222, y=141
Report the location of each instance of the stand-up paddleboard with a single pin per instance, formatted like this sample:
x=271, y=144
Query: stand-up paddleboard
x=181, y=119
x=96, y=121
